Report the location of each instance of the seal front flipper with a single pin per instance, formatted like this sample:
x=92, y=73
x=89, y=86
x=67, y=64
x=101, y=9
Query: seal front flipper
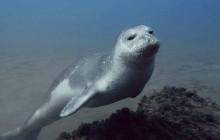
x=78, y=101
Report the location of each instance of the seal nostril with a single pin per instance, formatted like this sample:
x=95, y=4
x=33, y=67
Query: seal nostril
x=151, y=32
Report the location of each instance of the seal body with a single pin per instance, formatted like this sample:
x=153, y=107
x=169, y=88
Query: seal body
x=97, y=80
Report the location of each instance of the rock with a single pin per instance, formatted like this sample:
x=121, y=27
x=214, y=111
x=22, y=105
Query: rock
x=171, y=114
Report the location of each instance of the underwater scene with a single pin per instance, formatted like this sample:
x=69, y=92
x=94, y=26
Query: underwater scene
x=111, y=47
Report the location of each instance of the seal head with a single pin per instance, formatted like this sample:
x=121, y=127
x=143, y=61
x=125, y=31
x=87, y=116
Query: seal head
x=136, y=43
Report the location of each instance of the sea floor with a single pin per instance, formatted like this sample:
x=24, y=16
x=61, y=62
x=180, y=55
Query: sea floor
x=26, y=74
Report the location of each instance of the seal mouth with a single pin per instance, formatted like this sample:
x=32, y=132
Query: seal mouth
x=153, y=48
x=149, y=50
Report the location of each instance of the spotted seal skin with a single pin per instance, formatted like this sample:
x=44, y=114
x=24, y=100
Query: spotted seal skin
x=95, y=81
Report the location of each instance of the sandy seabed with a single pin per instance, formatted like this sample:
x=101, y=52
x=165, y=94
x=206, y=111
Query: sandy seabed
x=26, y=75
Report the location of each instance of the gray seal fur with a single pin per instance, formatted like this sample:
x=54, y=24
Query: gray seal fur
x=96, y=81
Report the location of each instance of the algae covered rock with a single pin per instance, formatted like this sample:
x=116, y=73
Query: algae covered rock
x=170, y=114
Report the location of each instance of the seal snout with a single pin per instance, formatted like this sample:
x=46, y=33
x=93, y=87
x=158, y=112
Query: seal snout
x=152, y=44
x=154, y=47
x=149, y=39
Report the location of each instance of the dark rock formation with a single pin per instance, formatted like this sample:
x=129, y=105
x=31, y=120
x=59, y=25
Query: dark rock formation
x=171, y=114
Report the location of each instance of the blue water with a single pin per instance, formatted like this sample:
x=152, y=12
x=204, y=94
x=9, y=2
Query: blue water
x=38, y=39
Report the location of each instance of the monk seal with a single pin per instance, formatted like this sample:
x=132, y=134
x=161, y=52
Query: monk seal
x=96, y=81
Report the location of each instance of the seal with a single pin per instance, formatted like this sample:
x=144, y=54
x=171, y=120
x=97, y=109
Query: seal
x=97, y=80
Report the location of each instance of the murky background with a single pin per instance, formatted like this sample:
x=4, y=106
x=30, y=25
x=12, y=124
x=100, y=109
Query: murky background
x=38, y=39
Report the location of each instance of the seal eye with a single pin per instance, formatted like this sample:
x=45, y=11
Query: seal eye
x=131, y=37
x=151, y=32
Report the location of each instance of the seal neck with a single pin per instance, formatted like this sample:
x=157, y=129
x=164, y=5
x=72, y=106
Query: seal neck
x=127, y=60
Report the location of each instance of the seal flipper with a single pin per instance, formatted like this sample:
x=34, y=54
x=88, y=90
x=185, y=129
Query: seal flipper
x=18, y=134
x=78, y=101
x=12, y=134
